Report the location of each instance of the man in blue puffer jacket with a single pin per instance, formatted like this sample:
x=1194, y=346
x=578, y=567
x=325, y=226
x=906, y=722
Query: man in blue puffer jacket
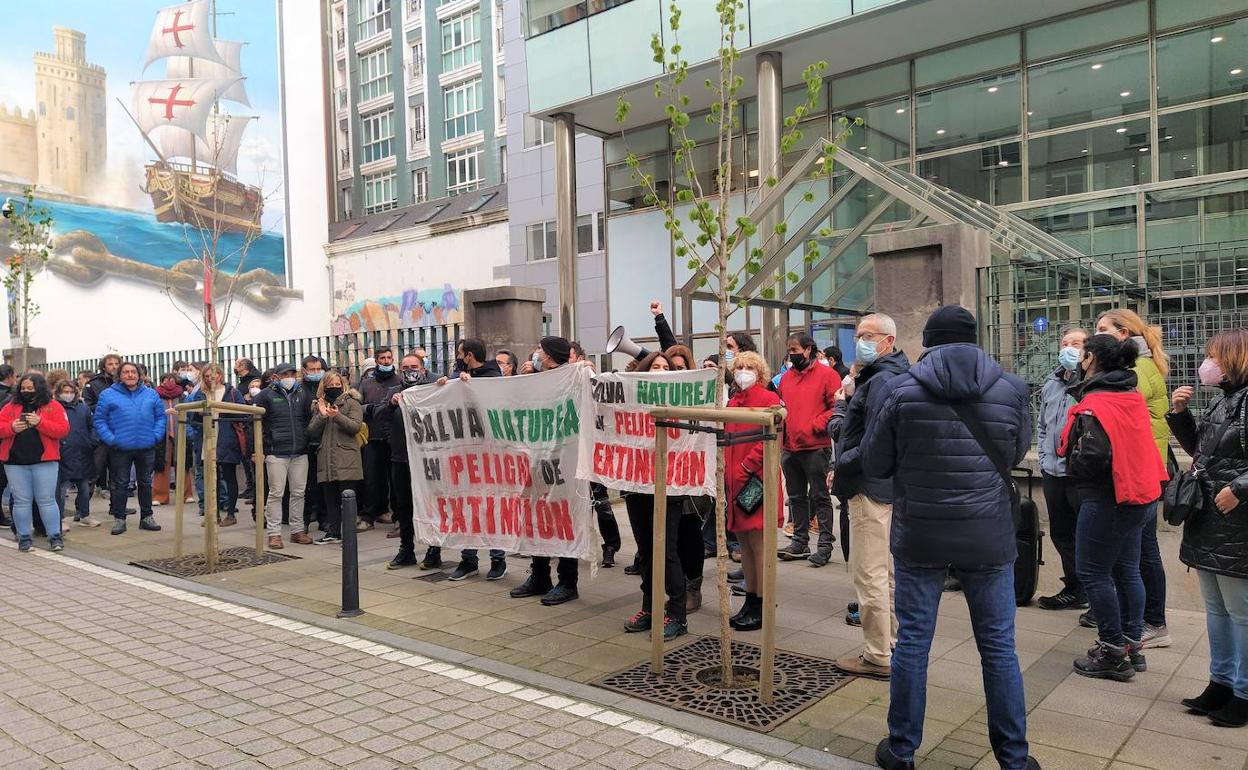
x=951, y=507
x=130, y=419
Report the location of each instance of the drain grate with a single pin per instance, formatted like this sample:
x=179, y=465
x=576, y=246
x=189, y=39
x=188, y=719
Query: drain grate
x=690, y=683
x=229, y=559
x=436, y=576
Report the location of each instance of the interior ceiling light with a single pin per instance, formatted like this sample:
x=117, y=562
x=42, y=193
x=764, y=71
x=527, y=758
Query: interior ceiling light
x=992, y=89
x=1143, y=149
x=1125, y=94
x=940, y=132
x=1215, y=39
x=1084, y=150
x=1004, y=163
x=1097, y=66
x=1237, y=71
x=1121, y=130
x=901, y=110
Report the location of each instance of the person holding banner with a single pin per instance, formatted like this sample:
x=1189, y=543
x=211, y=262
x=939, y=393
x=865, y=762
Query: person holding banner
x=336, y=419
x=743, y=466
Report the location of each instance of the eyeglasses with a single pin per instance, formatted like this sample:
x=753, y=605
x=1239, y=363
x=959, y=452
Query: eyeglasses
x=865, y=335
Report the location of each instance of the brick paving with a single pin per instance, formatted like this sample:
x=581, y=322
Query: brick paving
x=104, y=670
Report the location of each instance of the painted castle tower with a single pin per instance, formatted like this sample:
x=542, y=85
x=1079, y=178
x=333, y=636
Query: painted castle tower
x=64, y=148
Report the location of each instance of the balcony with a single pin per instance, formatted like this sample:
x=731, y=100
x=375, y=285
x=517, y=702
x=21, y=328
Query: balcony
x=415, y=7
x=416, y=135
x=340, y=39
x=415, y=69
x=344, y=159
x=341, y=100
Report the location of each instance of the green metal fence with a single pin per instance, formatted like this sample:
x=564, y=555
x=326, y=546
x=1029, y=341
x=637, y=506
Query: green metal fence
x=346, y=350
x=1191, y=292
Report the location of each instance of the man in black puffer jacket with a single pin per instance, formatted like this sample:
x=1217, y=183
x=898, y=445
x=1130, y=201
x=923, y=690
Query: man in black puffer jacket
x=951, y=507
x=287, y=409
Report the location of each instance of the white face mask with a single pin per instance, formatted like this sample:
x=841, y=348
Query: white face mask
x=287, y=383
x=254, y=392
x=67, y=397
x=745, y=378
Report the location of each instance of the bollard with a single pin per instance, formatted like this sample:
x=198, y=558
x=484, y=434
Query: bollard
x=350, y=559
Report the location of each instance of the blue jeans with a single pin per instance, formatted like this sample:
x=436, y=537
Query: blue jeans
x=989, y=592
x=1226, y=615
x=82, y=498
x=1107, y=555
x=197, y=448
x=1153, y=573
x=34, y=485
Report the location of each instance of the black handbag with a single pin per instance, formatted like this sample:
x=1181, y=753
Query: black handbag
x=1184, y=496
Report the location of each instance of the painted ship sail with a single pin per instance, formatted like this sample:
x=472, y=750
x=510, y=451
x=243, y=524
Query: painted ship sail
x=194, y=180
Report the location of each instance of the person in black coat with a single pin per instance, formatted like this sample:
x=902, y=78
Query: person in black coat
x=77, y=455
x=287, y=410
x=952, y=506
x=376, y=389
x=1215, y=540
x=413, y=373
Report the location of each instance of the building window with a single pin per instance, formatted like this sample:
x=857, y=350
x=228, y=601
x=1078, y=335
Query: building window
x=374, y=16
x=69, y=113
x=463, y=171
x=416, y=60
x=375, y=74
x=502, y=164
x=344, y=203
x=1105, y=84
x=992, y=174
x=1204, y=64
x=43, y=109
x=461, y=40
x=537, y=132
x=463, y=108
x=418, y=124
x=540, y=241
x=540, y=238
x=420, y=185
x=379, y=192
x=378, y=135
x=967, y=113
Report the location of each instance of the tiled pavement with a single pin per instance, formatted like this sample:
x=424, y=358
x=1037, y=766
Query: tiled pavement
x=1073, y=723
x=105, y=670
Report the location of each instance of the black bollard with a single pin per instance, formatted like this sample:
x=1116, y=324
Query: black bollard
x=350, y=559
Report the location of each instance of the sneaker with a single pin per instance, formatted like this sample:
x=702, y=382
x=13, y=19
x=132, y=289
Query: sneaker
x=632, y=569
x=1064, y=599
x=229, y=521
x=560, y=594
x=673, y=628
x=463, y=571
x=56, y=543
x=608, y=557
x=498, y=568
x=819, y=558
x=403, y=559
x=638, y=623
x=302, y=538
x=1087, y=620
x=25, y=544
x=327, y=540
x=736, y=574
x=119, y=525
x=1105, y=661
x=738, y=589
x=149, y=523
x=862, y=667
x=87, y=522
x=531, y=587
x=794, y=551
x=1155, y=636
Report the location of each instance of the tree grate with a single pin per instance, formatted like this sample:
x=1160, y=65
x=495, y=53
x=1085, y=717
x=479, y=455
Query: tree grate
x=691, y=683
x=228, y=560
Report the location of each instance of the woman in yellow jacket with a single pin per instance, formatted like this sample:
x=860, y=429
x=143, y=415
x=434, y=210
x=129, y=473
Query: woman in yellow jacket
x=1151, y=368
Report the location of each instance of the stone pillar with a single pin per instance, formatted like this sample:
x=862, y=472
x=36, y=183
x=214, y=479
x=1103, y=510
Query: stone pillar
x=775, y=321
x=920, y=269
x=565, y=220
x=507, y=317
x=34, y=357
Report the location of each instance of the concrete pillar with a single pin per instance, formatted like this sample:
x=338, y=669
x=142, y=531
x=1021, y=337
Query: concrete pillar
x=505, y=317
x=770, y=129
x=565, y=220
x=918, y=270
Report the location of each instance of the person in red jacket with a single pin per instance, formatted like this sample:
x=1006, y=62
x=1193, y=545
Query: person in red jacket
x=743, y=462
x=808, y=391
x=31, y=428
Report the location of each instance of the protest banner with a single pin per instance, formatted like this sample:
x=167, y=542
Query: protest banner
x=617, y=445
x=493, y=464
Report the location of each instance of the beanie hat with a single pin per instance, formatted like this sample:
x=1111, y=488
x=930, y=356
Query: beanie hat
x=559, y=349
x=950, y=324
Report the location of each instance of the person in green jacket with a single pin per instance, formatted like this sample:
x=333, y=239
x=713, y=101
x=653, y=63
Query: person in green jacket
x=1151, y=368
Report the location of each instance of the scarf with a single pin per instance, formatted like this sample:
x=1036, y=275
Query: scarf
x=170, y=391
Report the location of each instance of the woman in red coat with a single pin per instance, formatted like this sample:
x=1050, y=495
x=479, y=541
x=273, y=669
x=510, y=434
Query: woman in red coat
x=741, y=463
x=31, y=428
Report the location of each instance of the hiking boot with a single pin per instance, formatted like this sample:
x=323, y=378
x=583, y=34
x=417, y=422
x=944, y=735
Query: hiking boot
x=794, y=551
x=819, y=558
x=498, y=568
x=302, y=538
x=1064, y=599
x=750, y=618
x=608, y=557
x=693, y=594
x=119, y=525
x=1233, y=714
x=1138, y=662
x=673, y=628
x=531, y=587
x=1213, y=698
x=86, y=521
x=463, y=571
x=560, y=594
x=148, y=523
x=56, y=543
x=403, y=559
x=1087, y=620
x=862, y=667
x=638, y=623
x=1106, y=661
x=275, y=543
x=1155, y=636
x=229, y=521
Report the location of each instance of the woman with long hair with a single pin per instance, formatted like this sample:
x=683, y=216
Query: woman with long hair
x=1215, y=540
x=1152, y=364
x=77, y=466
x=337, y=416
x=213, y=387
x=1118, y=478
x=31, y=428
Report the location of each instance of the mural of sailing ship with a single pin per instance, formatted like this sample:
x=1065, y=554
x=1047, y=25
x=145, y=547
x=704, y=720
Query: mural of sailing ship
x=193, y=179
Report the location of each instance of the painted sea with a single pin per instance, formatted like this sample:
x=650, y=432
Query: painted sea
x=138, y=236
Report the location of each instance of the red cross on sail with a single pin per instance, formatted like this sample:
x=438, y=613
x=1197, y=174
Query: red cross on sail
x=182, y=30
x=231, y=52
x=181, y=103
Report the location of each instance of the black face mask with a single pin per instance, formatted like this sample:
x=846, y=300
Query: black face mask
x=26, y=398
x=799, y=361
x=332, y=394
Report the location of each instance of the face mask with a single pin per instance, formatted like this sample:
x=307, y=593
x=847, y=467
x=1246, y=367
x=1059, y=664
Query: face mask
x=386, y=368
x=287, y=383
x=411, y=375
x=746, y=378
x=867, y=353
x=728, y=356
x=315, y=376
x=537, y=363
x=27, y=398
x=1069, y=358
x=1210, y=373
x=798, y=360
x=332, y=394
x=67, y=397
x=254, y=392
x=825, y=362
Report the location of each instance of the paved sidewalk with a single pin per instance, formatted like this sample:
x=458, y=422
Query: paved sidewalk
x=103, y=670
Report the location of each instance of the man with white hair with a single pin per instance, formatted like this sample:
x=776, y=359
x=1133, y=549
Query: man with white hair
x=876, y=361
